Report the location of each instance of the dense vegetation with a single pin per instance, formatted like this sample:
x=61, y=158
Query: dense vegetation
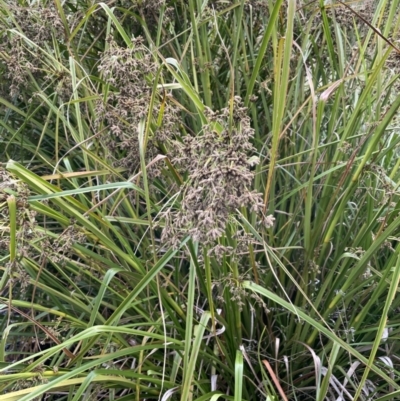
x=199, y=200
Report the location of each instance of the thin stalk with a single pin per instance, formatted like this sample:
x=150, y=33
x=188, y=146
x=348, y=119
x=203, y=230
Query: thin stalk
x=382, y=324
x=281, y=76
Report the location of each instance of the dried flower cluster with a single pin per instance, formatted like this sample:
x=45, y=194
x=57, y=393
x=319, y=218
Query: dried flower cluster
x=253, y=5
x=25, y=222
x=150, y=10
x=61, y=248
x=219, y=177
x=393, y=63
x=31, y=242
x=346, y=17
x=38, y=23
x=130, y=73
x=25, y=218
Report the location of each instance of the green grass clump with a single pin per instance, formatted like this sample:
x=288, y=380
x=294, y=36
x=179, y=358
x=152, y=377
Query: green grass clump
x=199, y=200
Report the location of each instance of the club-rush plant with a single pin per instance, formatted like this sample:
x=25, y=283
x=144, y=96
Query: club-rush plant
x=199, y=200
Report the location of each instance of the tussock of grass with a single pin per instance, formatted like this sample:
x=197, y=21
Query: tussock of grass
x=199, y=200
